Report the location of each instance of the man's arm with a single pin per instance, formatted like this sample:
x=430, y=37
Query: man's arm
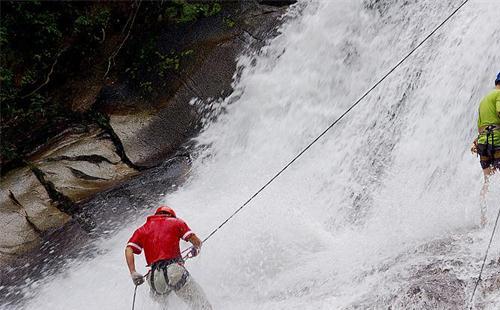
x=137, y=278
x=195, y=241
x=129, y=256
x=498, y=105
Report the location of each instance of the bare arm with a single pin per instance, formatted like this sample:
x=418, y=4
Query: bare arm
x=137, y=278
x=195, y=241
x=129, y=256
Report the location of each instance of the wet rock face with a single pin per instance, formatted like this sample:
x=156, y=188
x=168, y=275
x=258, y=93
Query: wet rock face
x=434, y=287
x=41, y=198
x=81, y=164
x=148, y=137
x=27, y=212
x=439, y=274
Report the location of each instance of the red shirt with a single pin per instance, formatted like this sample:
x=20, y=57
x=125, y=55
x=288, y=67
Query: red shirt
x=159, y=237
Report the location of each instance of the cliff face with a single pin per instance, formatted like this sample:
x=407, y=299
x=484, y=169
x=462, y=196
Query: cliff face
x=117, y=123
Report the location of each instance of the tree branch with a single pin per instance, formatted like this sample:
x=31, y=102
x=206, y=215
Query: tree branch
x=111, y=59
x=47, y=80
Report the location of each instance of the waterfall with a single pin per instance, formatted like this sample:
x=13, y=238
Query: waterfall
x=381, y=212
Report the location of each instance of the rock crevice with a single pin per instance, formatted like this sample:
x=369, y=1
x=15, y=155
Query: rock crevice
x=59, y=200
x=44, y=195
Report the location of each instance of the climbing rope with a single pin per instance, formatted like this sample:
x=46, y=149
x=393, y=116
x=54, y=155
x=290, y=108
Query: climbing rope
x=484, y=260
x=135, y=293
x=334, y=123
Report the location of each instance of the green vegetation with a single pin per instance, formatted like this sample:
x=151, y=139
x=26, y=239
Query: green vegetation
x=229, y=22
x=42, y=44
x=184, y=12
x=47, y=46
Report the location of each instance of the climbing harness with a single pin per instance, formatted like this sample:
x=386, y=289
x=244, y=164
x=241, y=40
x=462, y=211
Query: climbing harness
x=490, y=150
x=484, y=260
x=183, y=259
x=162, y=266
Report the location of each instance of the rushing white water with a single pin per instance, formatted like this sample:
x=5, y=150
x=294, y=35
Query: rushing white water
x=380, y=212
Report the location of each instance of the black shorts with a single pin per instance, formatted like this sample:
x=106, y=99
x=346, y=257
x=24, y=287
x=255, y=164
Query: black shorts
x=489, y=157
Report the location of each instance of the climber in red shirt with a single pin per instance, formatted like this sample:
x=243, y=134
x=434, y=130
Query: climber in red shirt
x=159, y=238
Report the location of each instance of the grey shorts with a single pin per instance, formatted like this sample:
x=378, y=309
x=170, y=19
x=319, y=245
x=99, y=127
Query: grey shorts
x=173, y=277
x=167, y=276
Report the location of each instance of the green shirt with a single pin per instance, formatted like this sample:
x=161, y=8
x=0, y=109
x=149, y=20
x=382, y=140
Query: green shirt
x=489, y=110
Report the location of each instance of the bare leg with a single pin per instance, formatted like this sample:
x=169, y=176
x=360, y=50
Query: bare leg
x=192, y=294
x=160, y=299
x=484, y=191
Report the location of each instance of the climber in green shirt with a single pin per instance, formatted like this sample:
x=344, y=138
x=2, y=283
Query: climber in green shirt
x=487, y=144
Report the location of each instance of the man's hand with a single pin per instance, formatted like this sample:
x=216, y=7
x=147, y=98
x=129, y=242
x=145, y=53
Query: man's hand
x=473, y=148
x=137, y=278
x=196, y=248
x=194, y=252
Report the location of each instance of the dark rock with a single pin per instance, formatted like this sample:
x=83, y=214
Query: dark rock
x=278, y=3
x=151, y=131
